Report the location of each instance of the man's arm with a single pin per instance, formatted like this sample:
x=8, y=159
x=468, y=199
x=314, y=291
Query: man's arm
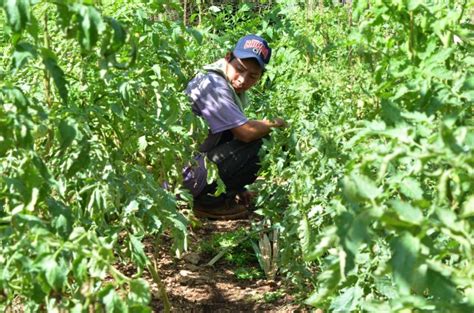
x=256, y=129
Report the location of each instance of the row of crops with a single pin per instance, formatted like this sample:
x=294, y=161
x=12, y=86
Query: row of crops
x=371, y=186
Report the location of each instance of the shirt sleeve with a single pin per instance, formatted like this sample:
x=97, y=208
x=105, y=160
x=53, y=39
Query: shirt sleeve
x=214, y=101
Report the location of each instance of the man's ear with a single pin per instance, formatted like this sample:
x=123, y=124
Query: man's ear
x=229, y=56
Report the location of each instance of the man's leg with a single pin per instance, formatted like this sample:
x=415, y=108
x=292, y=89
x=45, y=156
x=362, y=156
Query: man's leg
x=238, y=163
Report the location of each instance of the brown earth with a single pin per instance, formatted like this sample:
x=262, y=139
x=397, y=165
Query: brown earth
x=193, y=286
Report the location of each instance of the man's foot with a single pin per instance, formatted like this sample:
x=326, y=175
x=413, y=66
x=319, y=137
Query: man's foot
x=228, y=209
x=245, y=197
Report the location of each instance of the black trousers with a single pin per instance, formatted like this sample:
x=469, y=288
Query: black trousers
x=238, y=165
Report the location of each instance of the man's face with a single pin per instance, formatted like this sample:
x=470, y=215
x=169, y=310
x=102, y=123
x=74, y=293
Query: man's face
x=243, y=73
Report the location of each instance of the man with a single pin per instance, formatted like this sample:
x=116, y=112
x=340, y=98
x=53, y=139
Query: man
x=219, y=96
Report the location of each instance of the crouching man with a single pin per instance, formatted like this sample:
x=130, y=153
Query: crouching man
x=218, y=95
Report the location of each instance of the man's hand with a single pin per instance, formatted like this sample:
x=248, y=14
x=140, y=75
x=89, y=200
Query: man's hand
x=279, y=123
x=256, y=129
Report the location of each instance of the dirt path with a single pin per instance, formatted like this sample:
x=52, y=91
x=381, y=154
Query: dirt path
x=192, y=286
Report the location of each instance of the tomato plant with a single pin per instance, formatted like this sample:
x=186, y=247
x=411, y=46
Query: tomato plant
x=370, y=188
x=89, y=111
x=372, y=183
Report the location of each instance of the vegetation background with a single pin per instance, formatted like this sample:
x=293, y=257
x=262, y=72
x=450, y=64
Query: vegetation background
x=370, y=188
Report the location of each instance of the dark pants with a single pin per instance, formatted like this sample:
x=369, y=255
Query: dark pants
x=238, y=164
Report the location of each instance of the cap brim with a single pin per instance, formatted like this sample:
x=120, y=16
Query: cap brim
x=249, y=55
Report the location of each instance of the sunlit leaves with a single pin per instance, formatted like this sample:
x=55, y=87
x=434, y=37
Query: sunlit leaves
x=376, y=214
x=306, y=237
x=18, y=13
x=468, y=207
x=401, y=185
x=63, y=172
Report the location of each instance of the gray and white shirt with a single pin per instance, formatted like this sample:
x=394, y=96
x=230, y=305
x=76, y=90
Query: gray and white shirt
x=214, y=99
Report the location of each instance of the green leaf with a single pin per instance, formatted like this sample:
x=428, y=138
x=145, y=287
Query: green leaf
x=468, y=207
x=411, y=188
x=82, y=161
x=385, y=286
x=448, y=218
x=90, y=25
x=442, y=287
x=306, y=242
x=42, y=169
x=112, y=301
x=348, y=300
x=407, y=212
x=49, y=61
x=117, y=110
x=442, y=55
x=139, y=292
x=352, y=231
x=329, y=279
x=196, y=34
x=142, y=143
x=23, y=52
x=54, y=273
x=62, y=217
x=67, y=133
x=391, y=113
x=362, y=186
x=80, y=269
x=405, y=250
x=137, y=251
x=413, y=4
x=449, y=139
x=119, y=37
x=17, y=96
x=18, y=13
x=131, y=208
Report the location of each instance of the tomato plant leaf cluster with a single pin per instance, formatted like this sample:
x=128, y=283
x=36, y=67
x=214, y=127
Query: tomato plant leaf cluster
x=371, y=180
x=370, y=186
x=88, y=131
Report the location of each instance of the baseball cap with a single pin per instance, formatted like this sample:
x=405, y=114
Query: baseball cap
x=253, y=46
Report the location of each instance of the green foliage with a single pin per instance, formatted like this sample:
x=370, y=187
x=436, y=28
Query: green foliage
x=273, y=296
x=248, y=273
x=371, y=185
x=88, y=136
x=370, y=180
x=240, y=252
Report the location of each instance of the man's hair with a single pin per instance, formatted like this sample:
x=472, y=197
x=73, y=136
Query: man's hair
x=232, y=57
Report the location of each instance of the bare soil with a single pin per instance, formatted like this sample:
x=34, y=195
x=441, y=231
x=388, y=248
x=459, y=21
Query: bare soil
x=193, y=286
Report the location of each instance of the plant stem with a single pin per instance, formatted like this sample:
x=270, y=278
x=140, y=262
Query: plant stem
x=161, y=287
x=185, y=11
x=46, y=79
x=412, y=37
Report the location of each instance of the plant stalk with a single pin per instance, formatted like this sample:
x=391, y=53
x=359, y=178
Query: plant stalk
x=161, y=287
x=46, y=78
